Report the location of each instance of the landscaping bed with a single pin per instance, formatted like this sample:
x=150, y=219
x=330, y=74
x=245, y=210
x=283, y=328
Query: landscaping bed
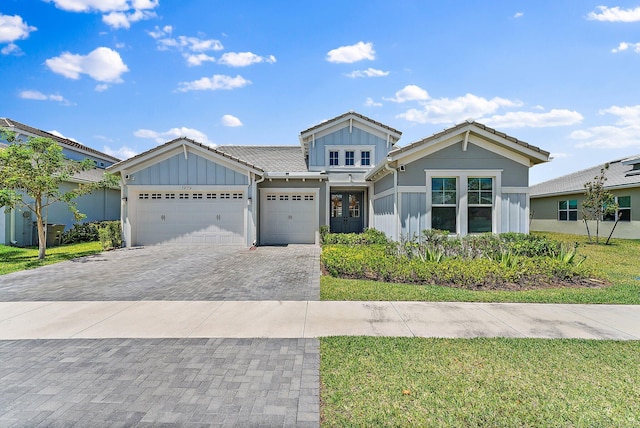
x=484, y=262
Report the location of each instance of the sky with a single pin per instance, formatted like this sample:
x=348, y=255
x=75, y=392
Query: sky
x=123, y=76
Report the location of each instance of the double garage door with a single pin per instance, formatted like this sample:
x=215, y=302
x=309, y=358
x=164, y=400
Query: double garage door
x=184, y=217
x=288, y=217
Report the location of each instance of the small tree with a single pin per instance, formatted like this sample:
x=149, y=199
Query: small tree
x=30, y=176
x=598, y=202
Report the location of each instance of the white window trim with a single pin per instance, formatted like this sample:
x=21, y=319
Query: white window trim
x=462, y=177
x=357, y=157
x=568, y=210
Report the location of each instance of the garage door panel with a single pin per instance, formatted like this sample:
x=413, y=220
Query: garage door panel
x=190, y=218
x=288, y=218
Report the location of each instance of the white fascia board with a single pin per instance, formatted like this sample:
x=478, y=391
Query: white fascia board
x=515, y=147
x=365, y=125
x=295, y=175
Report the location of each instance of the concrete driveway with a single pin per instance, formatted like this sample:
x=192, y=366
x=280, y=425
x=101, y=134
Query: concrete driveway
x=177, y=272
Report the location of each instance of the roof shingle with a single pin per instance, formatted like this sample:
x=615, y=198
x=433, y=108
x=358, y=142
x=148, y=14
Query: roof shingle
x=270, y=158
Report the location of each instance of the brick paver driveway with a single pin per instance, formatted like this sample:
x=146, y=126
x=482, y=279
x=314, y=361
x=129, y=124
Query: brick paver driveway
x=174, y=273
x=164, y=382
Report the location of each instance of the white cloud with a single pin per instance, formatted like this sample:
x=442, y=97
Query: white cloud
x=13, y=28
x=559, y=155
x=615, y=14
x=623, y=46
x=117, y=13
x=101, y=87
x=197, y=59
x=369, y=72
x=243, y=59
x=370, y=103
x=353, y=53
x=410, y=93
x=173, y=133
x=192, y=48
x=102, y=64
x=518, y=15
x=625, y=134
x=445, y=110
x=213, y=83
x=230, y=121
x=59, y=134
x=123, y=152
x=523, y=119
x=39, y=96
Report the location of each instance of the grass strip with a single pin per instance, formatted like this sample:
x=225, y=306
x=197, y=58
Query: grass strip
x=13, y=259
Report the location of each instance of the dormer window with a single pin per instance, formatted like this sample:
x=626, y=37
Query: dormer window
x=349, y=158
x=334, y=159
x=365, y=158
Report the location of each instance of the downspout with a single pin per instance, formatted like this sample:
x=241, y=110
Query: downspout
x=395, y=200
x=254, y=208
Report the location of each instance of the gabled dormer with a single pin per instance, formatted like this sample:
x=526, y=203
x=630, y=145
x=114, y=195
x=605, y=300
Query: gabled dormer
x=350, y=142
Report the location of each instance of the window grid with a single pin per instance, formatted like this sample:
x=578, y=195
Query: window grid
x=349, y=158
x=624, y=209
x=334, y=158
x=365, y=158
x=169, y=195
x=143, y=196
x=568, y=210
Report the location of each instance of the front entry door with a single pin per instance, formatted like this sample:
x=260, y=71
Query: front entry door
x=346, y=212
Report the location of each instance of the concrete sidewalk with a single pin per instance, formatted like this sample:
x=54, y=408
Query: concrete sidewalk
x=312, y=319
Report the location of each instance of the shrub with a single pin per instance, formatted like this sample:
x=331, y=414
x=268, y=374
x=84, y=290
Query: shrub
x=81, y=232
x=110, y=234
x=368, y=237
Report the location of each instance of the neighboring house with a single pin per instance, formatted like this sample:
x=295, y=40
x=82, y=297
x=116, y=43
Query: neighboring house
x=347, y=174
x=17, y=226
x=556, y=204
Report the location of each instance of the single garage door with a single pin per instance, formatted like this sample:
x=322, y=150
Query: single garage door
x=288, y=218
x=190, y=218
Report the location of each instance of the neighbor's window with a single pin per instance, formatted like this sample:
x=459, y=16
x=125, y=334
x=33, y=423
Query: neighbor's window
x=480, y=204
x=349, y=158
x=568, y=210
x=443, y=203
x=624, y=209
x=333, y=158
x=365, y=158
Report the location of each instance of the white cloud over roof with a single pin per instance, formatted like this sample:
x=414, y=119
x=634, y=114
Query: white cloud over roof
x=243, y=59
x=369, y=72
x=353, y=53
x=118, y=13
x=39, y=96
x=623, y=46
x=230, y=121
x=192, y=48
x=625, y=132
x=529, y=119
x=164, y=136
x=410, y=93
x=214, y=83
x=615, y=14
x=102, y=64
x=123, y=152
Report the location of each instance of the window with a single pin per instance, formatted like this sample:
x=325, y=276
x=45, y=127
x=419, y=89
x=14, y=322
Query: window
x=354, y=206
x=336, y=206
x=156, y=196
x=197, y=196
x=143, y=196
x=624, y=209
x=568, y=210
x=365, y=158
x=349, y=157
x=169, y=195
x=271, y=197
x=183, y=196
x=480, y=204
x=443, y=203
x=333, y=158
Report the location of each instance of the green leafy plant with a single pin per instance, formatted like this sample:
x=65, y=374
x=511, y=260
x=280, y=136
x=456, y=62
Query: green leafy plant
x=110, y=234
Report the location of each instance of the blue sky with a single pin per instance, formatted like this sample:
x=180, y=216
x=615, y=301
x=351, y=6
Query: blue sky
x=125, y=75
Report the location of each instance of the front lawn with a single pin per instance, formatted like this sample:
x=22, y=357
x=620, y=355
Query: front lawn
x=374, y=381
x=617, y=263
x=13, y=259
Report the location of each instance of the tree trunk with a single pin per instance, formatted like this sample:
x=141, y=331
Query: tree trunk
x=42, y=239
x=588, y=231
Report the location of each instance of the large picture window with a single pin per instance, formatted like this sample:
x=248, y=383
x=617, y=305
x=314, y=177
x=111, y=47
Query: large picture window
x=480, y=204
x=568, y=210
x=444, y=203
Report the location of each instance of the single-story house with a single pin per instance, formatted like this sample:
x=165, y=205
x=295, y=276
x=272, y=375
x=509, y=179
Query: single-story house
x=348, y=173
x=556, y=204
x=17, y=225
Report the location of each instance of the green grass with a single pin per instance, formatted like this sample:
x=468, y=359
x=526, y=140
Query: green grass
x=617, y=262
x=373, y=381
x=13, y=259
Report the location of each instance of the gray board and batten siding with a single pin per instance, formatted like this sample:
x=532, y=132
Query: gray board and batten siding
x=342, y=137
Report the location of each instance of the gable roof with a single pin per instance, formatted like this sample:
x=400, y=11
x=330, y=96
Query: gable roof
x=270, y=158
x=346, y=116
x=619, y=174
x=535, y=154
x=17, y=126
x=175, y=142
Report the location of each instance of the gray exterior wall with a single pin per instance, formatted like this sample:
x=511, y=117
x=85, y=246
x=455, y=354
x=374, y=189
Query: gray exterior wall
x=383, y=216
x=545, y=216
x=194, y=170
x=413, y=211
x=386, y=183
x=342, y=137
x=514, y=217
x=452, y=157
